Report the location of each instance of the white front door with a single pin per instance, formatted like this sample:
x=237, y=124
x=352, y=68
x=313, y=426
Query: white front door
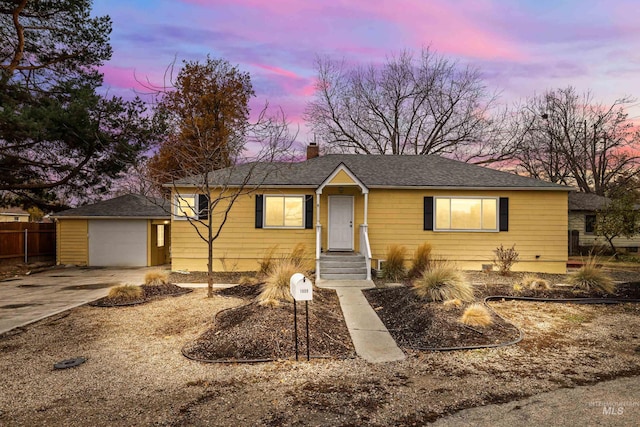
x=340, y=223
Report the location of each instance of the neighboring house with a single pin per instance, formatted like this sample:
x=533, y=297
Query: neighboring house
x=13, y=215
x=583, y=208
x=364, y=203
x=126, y=231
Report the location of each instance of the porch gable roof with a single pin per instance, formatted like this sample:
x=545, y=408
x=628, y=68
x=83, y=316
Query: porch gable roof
x=342, y=168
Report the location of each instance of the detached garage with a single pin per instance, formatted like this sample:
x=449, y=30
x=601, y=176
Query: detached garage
x=128, y=231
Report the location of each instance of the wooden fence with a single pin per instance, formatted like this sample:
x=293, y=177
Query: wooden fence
x=24, y=240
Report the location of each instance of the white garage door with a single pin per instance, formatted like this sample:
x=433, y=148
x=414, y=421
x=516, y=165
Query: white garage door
x=121, y=243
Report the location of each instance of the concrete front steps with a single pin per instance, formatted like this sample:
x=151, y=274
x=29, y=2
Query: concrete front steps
x=343, y=266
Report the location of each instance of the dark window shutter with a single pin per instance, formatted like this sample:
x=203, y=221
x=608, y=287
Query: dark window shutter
x=504, y=214
x=259, y=210
x=308, y=212
x=203, y=207
x=428, y=213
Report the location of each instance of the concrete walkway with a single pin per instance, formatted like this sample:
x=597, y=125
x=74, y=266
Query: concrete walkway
x=27, y=299
x=370, y=337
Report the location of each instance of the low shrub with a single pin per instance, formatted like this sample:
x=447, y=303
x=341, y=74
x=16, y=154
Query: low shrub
x=590, y=277
x=442, y=283
x=393, y=267
x=276, y=286
x=477, y=315
x=156, y=277
x=535, y=283
x=505, y=258
x=421, y=261
x=126, y=293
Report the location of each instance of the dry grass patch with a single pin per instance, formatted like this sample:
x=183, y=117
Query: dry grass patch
x=477, y=315
x=126, y=293
x=156, y=277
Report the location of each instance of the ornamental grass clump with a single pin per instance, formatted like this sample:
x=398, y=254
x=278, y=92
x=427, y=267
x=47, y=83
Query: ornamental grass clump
x=276, y=287
x=535, y=283
x=156, y=277
x=590, y=277
x=126, y=293
x=421, y=261
x=441, y=283
x=451, y=304
x=267, y=260
x=393, y=267
x=477, y=315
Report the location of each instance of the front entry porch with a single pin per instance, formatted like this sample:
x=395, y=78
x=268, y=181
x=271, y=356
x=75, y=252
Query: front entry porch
x=342, y=249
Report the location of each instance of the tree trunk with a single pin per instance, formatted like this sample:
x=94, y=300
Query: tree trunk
x=613, y=248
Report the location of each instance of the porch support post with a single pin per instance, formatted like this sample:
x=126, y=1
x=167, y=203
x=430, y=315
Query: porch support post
x=318, y=233
x=366, y=208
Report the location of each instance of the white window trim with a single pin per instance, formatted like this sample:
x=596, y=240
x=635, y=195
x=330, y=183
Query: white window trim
x=176, y=207
x=466, y=230
x=283, y=227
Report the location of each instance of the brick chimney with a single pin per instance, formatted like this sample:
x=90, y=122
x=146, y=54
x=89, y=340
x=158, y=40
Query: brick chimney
x=313, y=150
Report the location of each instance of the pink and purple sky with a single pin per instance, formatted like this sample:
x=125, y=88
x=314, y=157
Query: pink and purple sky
x=522, y=47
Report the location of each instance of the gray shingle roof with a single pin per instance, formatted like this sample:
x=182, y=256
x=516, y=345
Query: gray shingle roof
x=129, y=205
x=377, y=171
x=586, y=201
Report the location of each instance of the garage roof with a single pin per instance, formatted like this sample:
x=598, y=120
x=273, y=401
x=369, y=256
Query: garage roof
x=127, y=206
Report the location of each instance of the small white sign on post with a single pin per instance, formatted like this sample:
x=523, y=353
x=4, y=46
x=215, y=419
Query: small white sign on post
x=300, y=287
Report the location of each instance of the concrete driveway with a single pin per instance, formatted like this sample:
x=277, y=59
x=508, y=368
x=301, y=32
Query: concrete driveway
x=27, y=299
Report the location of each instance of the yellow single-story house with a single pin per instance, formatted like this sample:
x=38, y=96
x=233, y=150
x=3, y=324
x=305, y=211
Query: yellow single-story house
x=348, y=209
x=127, y=231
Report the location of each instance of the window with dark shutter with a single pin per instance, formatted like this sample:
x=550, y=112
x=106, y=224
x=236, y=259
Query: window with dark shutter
x=428, y=213
x=589, y=223
x=203, y=206
x=504, y=214
x=259, y=210
x=308, y=212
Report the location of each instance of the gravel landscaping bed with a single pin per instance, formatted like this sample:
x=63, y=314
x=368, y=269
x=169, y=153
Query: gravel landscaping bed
x=149, y=292
x=255, y=333
x=135, y=373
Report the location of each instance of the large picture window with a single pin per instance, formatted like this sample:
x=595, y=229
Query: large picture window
x=466, y=214
x=284, y=211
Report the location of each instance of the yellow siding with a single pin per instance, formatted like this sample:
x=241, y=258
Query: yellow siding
x=537, y=226
x=341, y=178
x=72, y=244
x=240, y=245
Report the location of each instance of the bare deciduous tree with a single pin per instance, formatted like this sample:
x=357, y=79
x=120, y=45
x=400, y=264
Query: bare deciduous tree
x=408, y=105
x=568, y=138
x=213, y=153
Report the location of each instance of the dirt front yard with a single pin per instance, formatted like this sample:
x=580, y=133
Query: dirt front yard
x=135, y=373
